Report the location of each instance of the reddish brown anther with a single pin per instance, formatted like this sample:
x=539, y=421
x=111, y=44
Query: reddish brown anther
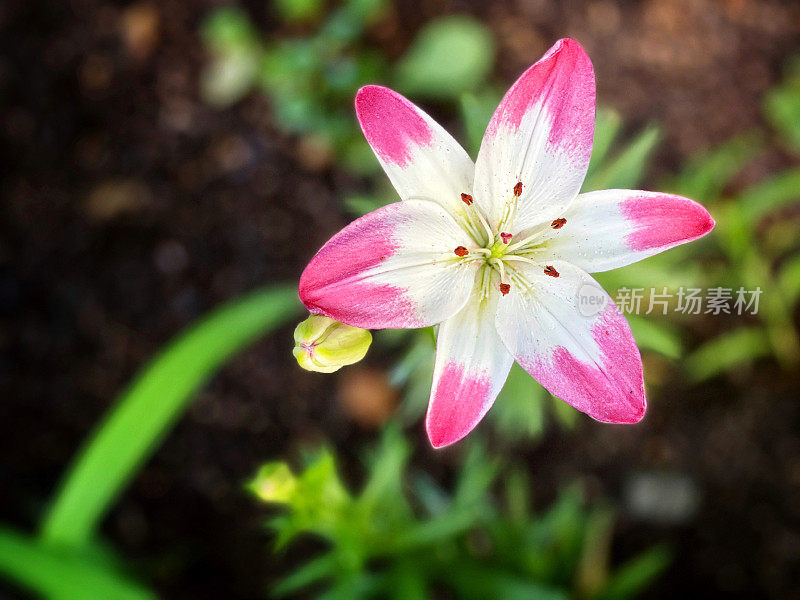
x=506, y=237
x=461, y=251
x=549, y=270
x=505, y=288
x=558, y=223
x=518, y=189
x=467, y=199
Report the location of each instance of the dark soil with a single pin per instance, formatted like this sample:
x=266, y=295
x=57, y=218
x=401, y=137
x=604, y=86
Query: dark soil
x=209, y=204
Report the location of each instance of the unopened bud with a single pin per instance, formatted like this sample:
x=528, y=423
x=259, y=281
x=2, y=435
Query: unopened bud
x=274, y=482
x=325, y=345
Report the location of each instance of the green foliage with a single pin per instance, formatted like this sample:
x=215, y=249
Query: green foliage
x=753, y=247
x=476, y=111
x=451, y=55
x=726, y=351
x=782, y=106
x=627, y=167
x=151, y=405
x=234, y=45
x=63, y=563
x=63, y=575
x=394, y=541
x=293, y=12
x=312, y=77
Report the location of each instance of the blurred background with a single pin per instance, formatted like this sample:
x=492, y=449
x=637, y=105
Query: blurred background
x=164, y=158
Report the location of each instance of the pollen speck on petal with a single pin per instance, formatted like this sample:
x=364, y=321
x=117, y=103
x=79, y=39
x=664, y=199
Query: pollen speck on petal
x=518, y=189
x=466, y=199
x=461, y=251
x=550, y=270
x=505, y=288
x=558, y=223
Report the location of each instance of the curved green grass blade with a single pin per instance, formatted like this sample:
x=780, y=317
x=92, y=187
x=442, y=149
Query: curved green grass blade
x=61, y=576
x=151, y=405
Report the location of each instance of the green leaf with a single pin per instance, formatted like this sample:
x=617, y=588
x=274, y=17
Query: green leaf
x=789, y=280
x=385, y=485
x=606, y=127
x=361, y=204
x=368, y=11
x=229, y=29
x=726, y=351
x=450, y=56
x=291, y=69
x=313, y=571
x=592, y=571
x=151, y=405
x=772, y=195
x=299, y=11
x=62, y=575
x=637, y=574
x=627, y=168
x=520, y=407
x=705, y=175
x=566, y=415
x=782, y=106
x=475, y=581
x=476, y=111
x=658, y=337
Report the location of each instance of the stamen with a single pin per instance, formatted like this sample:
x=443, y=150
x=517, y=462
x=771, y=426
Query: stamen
x=486, y=227
x=461, y=251
x=549, y=270
x=501, y=268
x=519, y=258
x=506, y=237
x=467, y=199
x=518, y=189
x=558, y=223
x=533, y=236
x=485, y=283
x=505, y=288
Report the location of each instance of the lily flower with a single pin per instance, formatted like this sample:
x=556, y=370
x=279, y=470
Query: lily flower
x=496, y=252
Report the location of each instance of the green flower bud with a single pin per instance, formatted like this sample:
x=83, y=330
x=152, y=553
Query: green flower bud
x=274, y=482
x=325, y=345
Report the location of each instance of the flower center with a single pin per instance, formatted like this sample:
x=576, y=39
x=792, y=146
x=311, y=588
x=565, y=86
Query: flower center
x=501, y=255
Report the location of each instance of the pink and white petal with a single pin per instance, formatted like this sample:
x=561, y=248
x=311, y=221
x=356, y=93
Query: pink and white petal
x=392, y=268
x=613, y=228
x=541, y=135
x=471, y=367
x=581, y=351
x=422, y=160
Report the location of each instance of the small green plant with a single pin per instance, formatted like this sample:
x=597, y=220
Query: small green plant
x=404, y=537
x=312, y=76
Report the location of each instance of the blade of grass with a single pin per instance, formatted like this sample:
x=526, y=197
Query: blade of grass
x=155, y=399
x=61, y=576
x=635, y=575
x=726, y=351
x=628, y=167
